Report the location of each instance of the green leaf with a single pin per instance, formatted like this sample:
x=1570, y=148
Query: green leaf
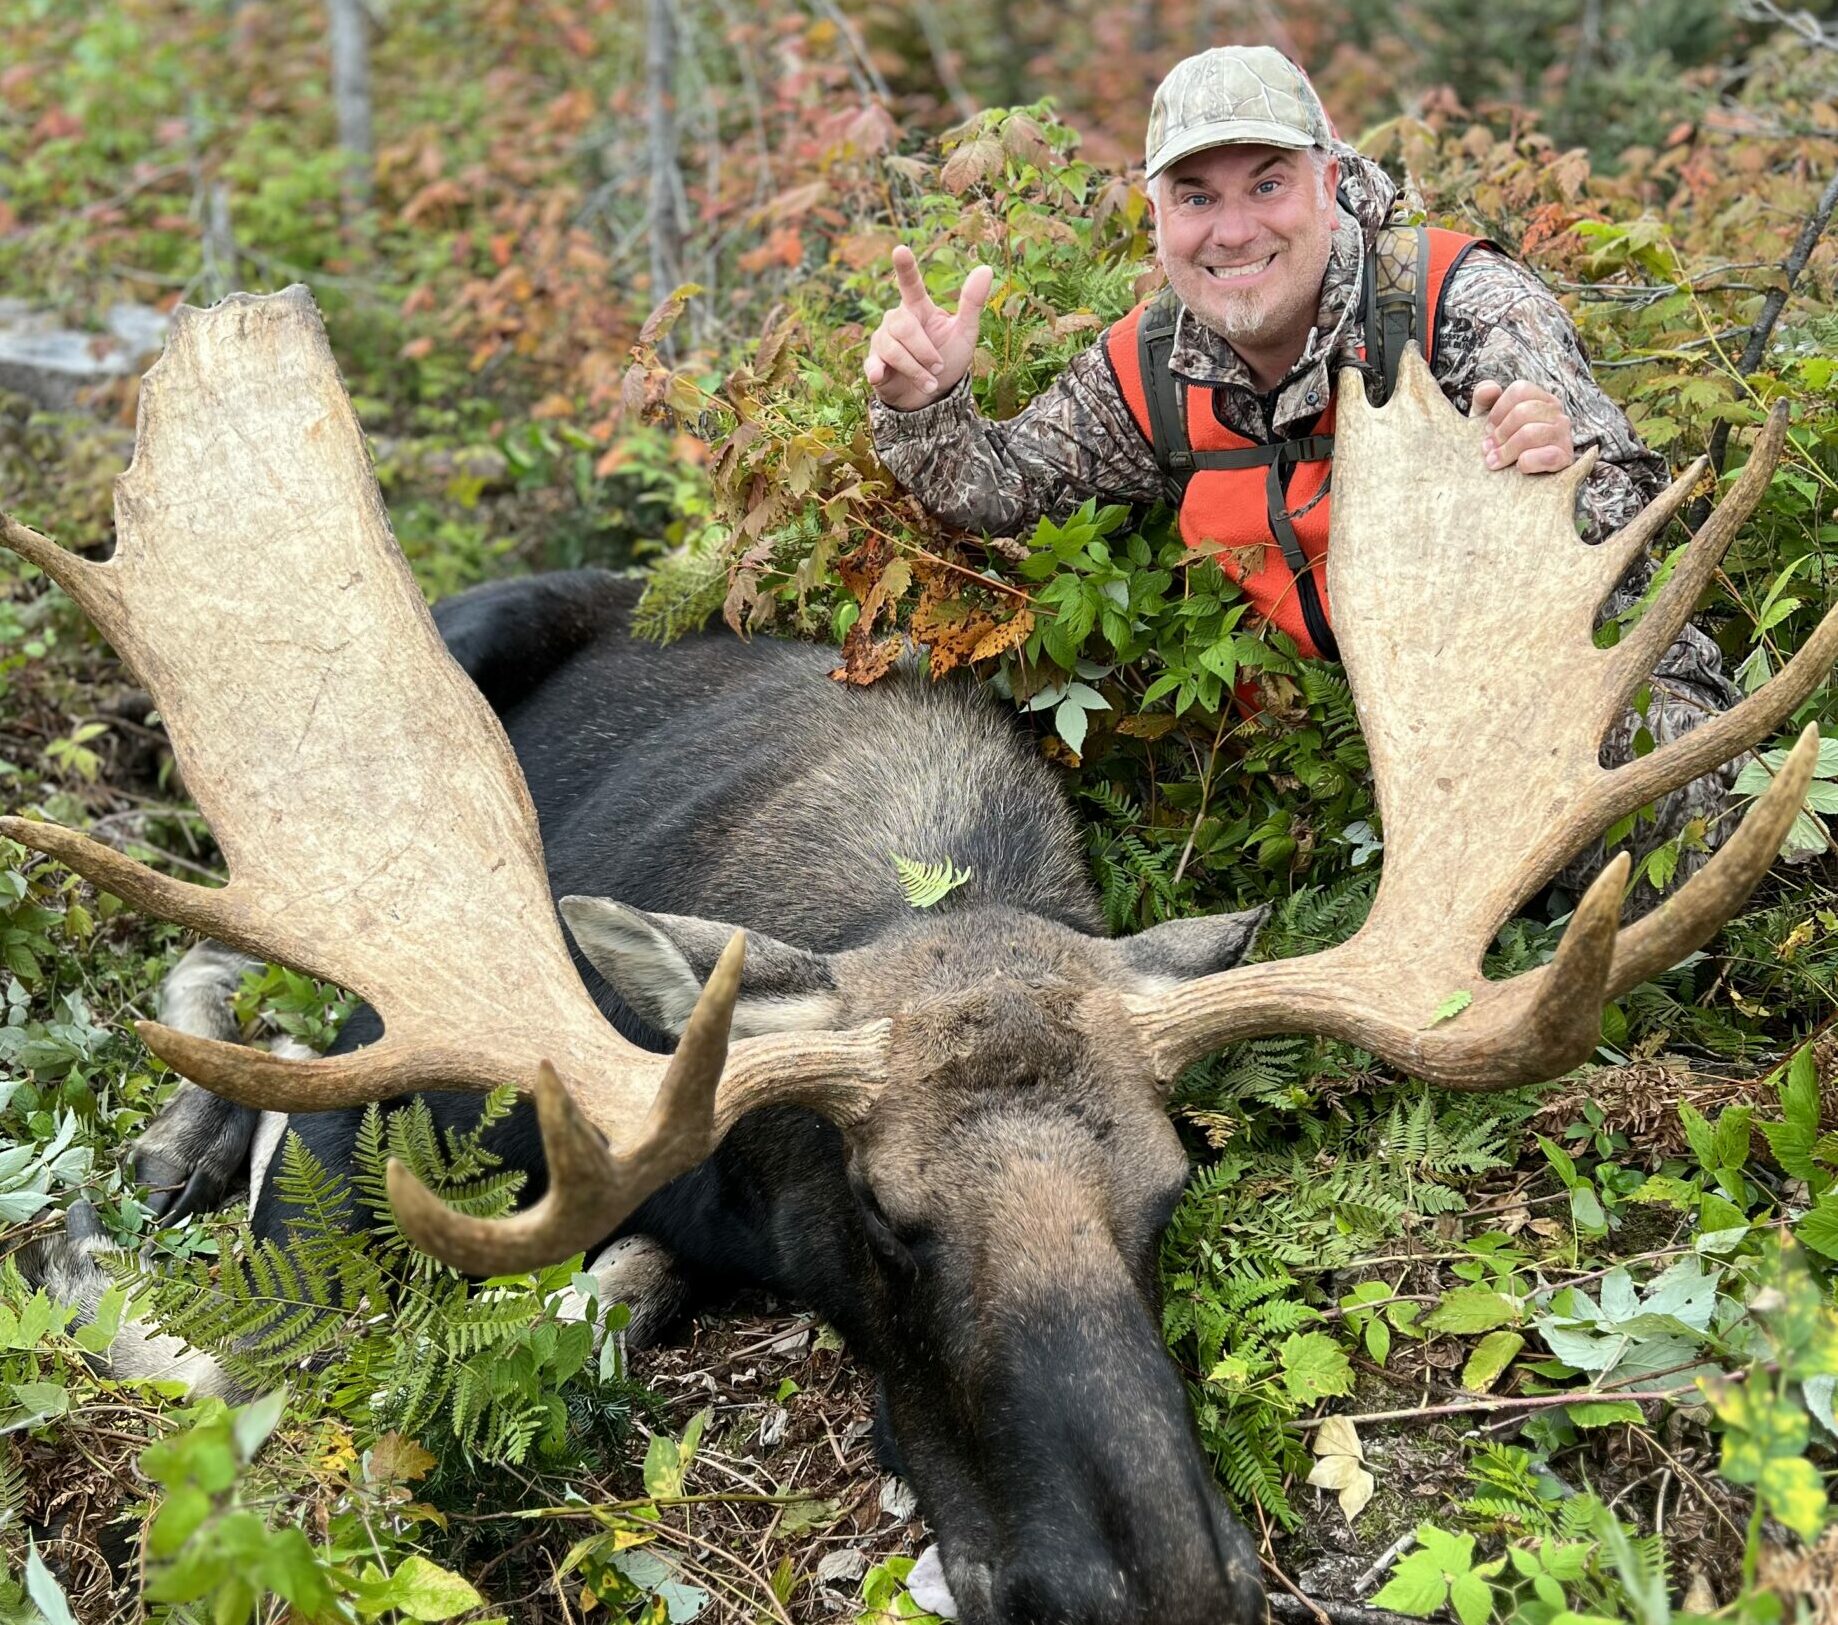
x=421, y=1590
x=925, y=884
x=1732, y=1136
x=99, y=1335
x=1416, y=1586
x=38, y=1402
x=46, y=1594
x=1601, y=1413
x=251, y=1424
x=1491, y=1356
x=1791, y=1488
x=1819, y=1229
x=1314, y=1367
x=1472, y=1309
x=1561, y=1161
x=1698, y=1135
x=1472, y=1599
x=1451, y=1007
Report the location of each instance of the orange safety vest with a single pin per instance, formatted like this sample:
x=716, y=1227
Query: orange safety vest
x=1263, y=507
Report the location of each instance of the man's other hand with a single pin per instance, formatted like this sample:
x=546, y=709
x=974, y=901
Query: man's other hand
x=1526, y=426
x=919, y=352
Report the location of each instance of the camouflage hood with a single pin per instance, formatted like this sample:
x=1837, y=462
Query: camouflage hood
x=1202, y=357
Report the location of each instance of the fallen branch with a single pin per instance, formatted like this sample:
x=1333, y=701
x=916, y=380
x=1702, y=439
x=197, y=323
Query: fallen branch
x=1283, y=1606
x=1531, y=1402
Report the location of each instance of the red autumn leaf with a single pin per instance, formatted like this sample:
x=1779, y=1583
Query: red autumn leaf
x=973, y=161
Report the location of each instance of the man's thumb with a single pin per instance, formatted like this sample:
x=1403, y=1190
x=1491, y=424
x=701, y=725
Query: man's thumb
x=974, y=295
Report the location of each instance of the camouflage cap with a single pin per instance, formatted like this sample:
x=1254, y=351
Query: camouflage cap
x=1229, y=94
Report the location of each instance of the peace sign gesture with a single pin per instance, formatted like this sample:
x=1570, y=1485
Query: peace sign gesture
x=919, y=352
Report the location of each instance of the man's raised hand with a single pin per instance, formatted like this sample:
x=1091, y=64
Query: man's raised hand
x=919, y=352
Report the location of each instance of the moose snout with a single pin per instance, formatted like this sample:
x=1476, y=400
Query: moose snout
x=1081, y=1573
x=1107, y=1506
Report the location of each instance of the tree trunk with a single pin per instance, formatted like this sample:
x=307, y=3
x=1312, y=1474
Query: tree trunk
x=349, y=28
x=666, y=179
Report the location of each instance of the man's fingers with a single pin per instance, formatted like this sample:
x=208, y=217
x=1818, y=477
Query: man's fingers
x=1507, y=420
x=898, y=359
x=1546, y=459
x=875, y=368
x=1537, y=448
x=912, y=285
x=904, y=327
x=1486, y=392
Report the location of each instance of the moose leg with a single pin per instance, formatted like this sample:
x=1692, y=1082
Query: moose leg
x=68, y=1267
x=641, y=1274
x=196, y=1151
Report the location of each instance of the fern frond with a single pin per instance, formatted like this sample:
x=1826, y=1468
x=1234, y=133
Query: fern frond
x=926, y=884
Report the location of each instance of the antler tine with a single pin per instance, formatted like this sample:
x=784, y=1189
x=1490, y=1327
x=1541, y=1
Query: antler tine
x=1464, y=608
x=375, y=823
x=206, y=909
x=1632, y=539
x=589, y=1186
x=1721, y=738
x=1639, y=652
x=1688, y=918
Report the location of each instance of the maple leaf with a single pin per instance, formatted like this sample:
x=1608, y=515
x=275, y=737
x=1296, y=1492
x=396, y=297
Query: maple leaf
x=974, y=161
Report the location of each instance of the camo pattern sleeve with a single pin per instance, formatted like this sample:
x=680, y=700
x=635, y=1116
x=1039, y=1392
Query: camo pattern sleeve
x=1076, y=439
x=1499, y=322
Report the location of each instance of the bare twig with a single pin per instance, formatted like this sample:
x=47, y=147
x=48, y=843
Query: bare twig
x=1763, y=329
x=1384, y=1560
x=1530, y=1402
x=867, y=76
x=1803, y=23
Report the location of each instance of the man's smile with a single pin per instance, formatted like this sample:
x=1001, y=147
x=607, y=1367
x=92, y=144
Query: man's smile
x=1239, y=273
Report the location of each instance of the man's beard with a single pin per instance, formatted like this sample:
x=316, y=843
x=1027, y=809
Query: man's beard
x=1250, y=314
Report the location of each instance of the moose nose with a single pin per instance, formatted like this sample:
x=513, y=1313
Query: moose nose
x=1107, y=1502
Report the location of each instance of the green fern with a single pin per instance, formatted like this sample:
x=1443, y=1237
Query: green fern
x=926, y=884
x=385, y=1332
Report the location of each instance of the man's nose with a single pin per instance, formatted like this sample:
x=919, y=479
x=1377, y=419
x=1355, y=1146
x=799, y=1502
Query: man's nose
x=1233, y=227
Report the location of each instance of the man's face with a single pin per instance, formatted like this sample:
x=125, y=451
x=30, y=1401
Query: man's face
x=1244, y=233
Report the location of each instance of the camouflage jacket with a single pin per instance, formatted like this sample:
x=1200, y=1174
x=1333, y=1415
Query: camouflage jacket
x=1077, y=439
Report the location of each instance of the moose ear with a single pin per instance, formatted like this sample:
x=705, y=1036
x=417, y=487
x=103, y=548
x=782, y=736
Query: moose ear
x=657, y=964
x=1164, y=956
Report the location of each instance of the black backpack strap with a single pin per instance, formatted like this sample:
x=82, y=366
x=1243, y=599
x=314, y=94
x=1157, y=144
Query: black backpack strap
x=1396, y=304
x=1282, y=527
x=1281, y=458
x=1167, y=417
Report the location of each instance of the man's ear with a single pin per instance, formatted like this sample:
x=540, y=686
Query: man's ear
x=657, y=964
x=1164, y=956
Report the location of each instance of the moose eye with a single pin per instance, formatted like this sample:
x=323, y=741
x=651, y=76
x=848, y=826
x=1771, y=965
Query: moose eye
x=894, y=1242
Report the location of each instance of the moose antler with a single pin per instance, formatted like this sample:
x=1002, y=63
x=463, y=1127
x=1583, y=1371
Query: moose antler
x=1464, y=606
x=377, y=828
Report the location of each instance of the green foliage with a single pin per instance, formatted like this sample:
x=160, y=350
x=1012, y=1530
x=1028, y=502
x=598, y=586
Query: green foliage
x=385, y=1331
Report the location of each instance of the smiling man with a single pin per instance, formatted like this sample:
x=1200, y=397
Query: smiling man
x=1283, y=267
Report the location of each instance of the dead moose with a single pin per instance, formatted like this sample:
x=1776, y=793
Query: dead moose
x=941, y=1130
